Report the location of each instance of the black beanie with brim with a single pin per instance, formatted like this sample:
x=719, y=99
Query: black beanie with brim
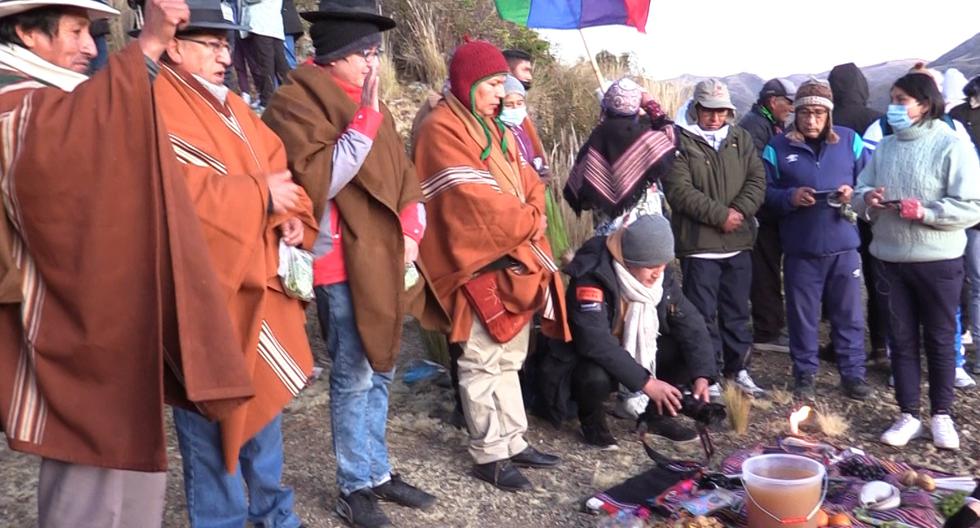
x=336, y=39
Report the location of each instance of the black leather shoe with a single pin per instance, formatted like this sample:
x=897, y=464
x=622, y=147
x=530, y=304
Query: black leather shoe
x=533, y=458
x=503, y=475
x=599, y=436
x=672, y=429
x=856, y=389
x=400, y=492
x=360, y=509
x=805, y=389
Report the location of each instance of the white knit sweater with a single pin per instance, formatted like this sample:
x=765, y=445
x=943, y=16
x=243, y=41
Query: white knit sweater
x=928, y=162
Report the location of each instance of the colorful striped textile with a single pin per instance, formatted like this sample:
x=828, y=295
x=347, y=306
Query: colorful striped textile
x=575, y=14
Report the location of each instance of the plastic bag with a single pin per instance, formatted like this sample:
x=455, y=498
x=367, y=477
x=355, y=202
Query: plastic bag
x=296, y=272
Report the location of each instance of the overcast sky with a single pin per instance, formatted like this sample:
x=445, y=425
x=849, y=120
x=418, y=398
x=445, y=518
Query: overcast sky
x=779, y=37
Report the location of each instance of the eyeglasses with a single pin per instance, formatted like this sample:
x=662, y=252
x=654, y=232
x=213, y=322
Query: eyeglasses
x=818, y=113
x=216, y=45
x=370, y=54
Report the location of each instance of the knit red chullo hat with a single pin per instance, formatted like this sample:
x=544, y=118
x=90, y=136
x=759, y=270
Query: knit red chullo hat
x=473, y=61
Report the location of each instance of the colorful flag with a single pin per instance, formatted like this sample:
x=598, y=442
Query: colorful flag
x=575, y=14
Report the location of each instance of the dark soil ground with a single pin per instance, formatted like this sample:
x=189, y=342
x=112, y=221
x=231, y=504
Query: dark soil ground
x=433, y=455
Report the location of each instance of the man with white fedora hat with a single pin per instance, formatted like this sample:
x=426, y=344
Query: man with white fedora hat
x=108, y=305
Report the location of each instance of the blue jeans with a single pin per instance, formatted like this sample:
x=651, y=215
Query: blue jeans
x=290, y=44
x=971, y=262
x=216, y=498
x=358, y=396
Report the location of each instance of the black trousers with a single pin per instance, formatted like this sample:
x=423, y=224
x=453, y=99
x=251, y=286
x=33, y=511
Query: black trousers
x=266, y=58
x=720, y=289
x=877, y=308
x=768, y=311
x=922, y=299
x=592, y=384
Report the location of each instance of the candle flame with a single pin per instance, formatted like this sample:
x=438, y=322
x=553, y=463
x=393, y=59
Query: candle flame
x=797, y=417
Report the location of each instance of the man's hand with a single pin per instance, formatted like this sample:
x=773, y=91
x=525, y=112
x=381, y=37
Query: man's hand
x=283, y=192
x=874, y=198
x=369, y=92
x=734, y=220
x=700, y=391
x=161, y=20
x=846, y=193
x=666, y=396
x=411, y=250
x=803, y=197
x=912, y=209
x=292, y=231
x=542, y=230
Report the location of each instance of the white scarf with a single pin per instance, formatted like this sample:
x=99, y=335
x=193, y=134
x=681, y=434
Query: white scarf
x=219, y=91
x=641, y=325
x=19, y=58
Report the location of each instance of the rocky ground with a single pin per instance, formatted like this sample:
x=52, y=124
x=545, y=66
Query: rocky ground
x=433, y=455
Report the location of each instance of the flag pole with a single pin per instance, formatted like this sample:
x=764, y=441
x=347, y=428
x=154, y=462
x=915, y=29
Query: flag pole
x=595, y=65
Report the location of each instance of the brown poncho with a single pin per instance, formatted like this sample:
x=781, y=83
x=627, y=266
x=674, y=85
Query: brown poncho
x=309, y=113
x=120, y=303
x=480, y=211
x=226, y=153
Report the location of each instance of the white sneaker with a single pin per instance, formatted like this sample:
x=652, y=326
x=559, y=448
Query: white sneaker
x=944, y=432
x=714, y=391
x=904, y=429
x=747, y=384
x=966, y=338
x=247, y=97
x=963, y=380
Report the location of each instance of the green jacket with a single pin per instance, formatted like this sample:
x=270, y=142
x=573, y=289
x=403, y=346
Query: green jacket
x=703, y=184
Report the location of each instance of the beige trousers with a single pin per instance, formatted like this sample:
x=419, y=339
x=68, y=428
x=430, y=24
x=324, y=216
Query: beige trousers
x=491, y=392
x=76, y=496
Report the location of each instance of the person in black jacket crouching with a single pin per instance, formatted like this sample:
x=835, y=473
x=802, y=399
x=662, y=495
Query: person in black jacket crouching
x=633, y=331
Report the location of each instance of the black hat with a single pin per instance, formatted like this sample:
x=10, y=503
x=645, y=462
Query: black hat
x=208, y=14
x=349, y=10
x=205, y=14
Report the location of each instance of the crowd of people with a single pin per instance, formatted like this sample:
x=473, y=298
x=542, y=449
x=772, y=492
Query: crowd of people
x=160, y=277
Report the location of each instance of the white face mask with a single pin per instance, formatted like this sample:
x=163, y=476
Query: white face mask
x=513, y=116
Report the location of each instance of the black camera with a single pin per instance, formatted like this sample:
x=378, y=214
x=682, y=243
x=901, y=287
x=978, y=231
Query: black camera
x=706, y=414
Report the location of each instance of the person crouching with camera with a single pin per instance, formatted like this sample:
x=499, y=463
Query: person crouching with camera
x=633, y=332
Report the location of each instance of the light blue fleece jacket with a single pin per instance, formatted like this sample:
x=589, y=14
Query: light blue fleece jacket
x=931, y=163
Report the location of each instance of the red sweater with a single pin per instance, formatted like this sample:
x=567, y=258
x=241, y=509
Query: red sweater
x=330, y=268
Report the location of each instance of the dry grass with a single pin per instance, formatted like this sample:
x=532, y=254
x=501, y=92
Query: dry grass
x=423, y=58
x=670, y=95
x=831, y=423
x=781, y=396
x=739, y=407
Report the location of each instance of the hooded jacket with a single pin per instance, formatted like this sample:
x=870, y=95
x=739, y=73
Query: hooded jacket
x=850, y=89
x=704, y=183
x=594, y=308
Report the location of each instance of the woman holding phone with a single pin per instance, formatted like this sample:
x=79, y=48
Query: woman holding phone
x=920, y=191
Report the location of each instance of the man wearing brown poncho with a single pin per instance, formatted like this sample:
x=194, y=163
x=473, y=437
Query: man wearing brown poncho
x=344, y=150
x=235, y=168
x=109, y=303
x=490, y=261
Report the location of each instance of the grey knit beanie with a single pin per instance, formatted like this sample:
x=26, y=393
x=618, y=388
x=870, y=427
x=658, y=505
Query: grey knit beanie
x=648, y=242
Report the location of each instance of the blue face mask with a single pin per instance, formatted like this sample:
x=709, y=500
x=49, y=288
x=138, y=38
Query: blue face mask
x=513, y=116
x=898, y=117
